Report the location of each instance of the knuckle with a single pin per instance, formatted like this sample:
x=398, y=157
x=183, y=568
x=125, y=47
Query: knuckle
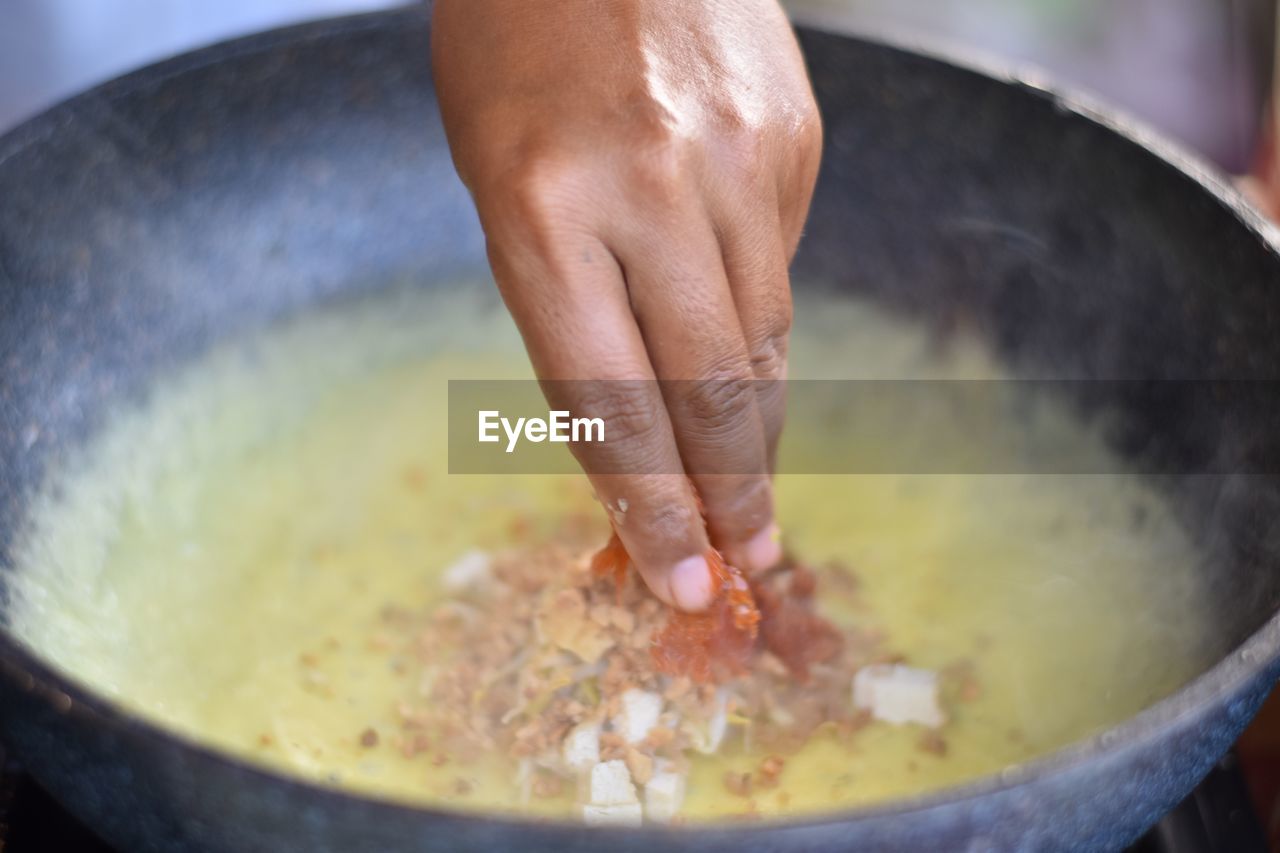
x=803, y=137
x=716, y=405
x=769, y=349
x=811, y=136
x=631, y=416
x=665, y=520
x=537, y=190
x=534, y=197
x=660, y=173
x=769, y=357
x=744, y=151
x=812, y=117
x=809, y=117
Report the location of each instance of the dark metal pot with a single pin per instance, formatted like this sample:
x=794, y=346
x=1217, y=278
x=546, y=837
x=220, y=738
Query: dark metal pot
x=219, y=191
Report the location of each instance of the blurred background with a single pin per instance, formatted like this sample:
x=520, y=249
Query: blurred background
x=1199, y=70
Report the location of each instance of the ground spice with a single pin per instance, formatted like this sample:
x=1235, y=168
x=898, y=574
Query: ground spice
x=556, y=638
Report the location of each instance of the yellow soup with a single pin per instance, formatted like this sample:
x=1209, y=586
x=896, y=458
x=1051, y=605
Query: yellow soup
x=218, y=558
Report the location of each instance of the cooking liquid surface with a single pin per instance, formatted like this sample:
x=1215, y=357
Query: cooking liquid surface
x=220, y=560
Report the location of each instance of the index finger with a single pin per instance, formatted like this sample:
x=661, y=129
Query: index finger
x=570, y=304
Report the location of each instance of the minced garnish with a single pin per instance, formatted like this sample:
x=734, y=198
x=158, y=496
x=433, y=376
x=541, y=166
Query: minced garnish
x=567, y=665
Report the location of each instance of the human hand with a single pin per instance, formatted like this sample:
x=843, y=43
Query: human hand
x=643, y=170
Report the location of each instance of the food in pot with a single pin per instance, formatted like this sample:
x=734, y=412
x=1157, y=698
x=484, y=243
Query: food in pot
x=269, y=555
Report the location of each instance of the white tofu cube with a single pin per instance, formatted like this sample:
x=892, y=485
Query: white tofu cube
x=611, y=784
x=639, y=714
x=622, y=814
x=581, y=747
x=663, y=794
x=471, y=569
x=707, y=740
x=899, y=694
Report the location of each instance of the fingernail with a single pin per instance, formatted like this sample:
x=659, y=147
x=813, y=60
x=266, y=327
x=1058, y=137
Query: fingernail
x=764, y=550
x=691, y=584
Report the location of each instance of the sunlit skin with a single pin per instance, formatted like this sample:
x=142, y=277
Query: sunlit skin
x=642, y=170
